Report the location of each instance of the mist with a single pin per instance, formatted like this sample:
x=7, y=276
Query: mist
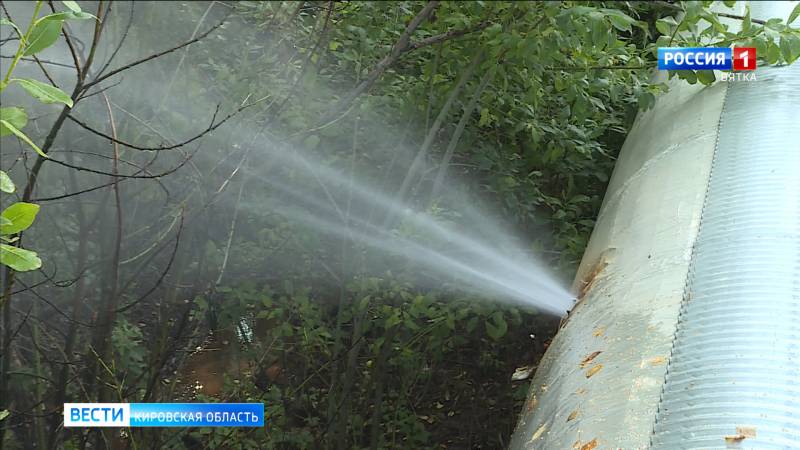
x=255, y=169
x=246, y=196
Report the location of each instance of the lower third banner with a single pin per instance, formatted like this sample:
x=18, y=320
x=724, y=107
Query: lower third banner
x=163, y=414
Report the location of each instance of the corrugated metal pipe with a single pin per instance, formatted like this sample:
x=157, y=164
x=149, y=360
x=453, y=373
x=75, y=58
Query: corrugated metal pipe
x=687, y=330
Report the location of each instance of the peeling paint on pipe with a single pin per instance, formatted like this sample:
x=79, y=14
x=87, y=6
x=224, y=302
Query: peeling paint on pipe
x=689, y=335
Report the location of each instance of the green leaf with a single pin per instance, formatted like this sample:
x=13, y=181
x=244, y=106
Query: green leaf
x=19, y=259
x=62, y=16
x=472, y=324
x=773, y=53
x=706, y=76
x=496, y=326
x=790, y=47
x=44, y=92
x=747, y=22
x=6, y=185
x=15, y=116
x=664, y=25
x=599, y=31
x=3, y=414
x=46, y=30
x=21, y=215
x=23, y=136
x=73, y=6
x=689, y=75
x=716, y=25
x=794, y=14
x=729, y=3
x=760, y=44
x=619, y=20
x=692, y=9
x=392, y=320
x=44, y=34
x=646, y=100
x=410, y=324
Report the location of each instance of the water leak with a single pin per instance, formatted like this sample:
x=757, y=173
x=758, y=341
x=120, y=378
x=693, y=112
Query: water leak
x=461, y=246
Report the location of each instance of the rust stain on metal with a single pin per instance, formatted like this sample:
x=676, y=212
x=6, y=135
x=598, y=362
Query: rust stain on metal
x=593, y=370
x=742, y=433
x=589, y=358
x=733, y=439
x=531, y=405
x=746, y=431
x=657, y=361
x=598, y=331
x=591, y=278
x=538, y=433
x=589, y=445
x=572, y=416
x=588, y=281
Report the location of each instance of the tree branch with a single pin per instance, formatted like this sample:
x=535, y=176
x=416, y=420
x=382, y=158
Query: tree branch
x=163, y=273
x=132, y=64
x=447, y=36
x=211, y=127
x=401, y=46
x=676, y=7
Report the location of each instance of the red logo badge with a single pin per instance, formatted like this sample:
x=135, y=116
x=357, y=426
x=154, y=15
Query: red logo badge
x=744, y=58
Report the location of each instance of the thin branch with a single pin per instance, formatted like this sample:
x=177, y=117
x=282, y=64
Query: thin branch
x=43, y=61
x=118, y=175
x=677, y=7
x=55, y=308
x=401, y=46
x=118, y=178
x=211, y=127
x=132, y=64
x=140, y=169
x=12, y=335
x=155, y=243
x=230, y=234
x=608, y=67
x=98, y=30
x=72, y=194
x=447, y=36
x=462, y=123
x=168, y=89
x=73, y=53
x=422, y=153
x=84, y=95
x=296, y=83
x=121, y=41
x=163, y=273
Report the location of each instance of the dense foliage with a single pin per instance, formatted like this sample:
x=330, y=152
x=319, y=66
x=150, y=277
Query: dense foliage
x=169, y=271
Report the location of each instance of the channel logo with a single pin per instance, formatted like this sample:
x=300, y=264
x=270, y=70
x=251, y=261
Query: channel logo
x=163, y=414
x=707, y=58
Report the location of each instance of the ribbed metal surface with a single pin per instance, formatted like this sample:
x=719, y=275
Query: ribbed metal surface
x=735, y=361
x=600, y=381
x=689, y=332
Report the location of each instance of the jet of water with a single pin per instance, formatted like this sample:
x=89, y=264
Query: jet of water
x=476, y=252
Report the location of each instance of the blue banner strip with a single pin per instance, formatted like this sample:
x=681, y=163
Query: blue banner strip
x=197, y=415
x=695, y=58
